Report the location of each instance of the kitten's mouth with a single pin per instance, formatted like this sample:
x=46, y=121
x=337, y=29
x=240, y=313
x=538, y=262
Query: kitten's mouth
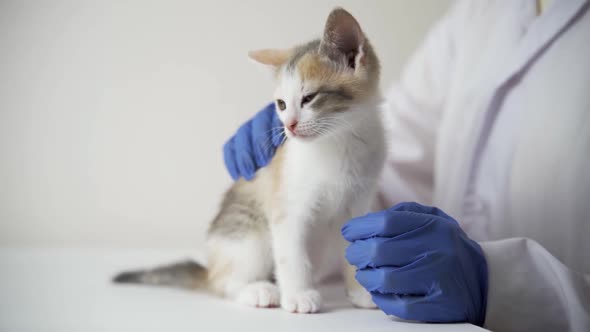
x=301, y=136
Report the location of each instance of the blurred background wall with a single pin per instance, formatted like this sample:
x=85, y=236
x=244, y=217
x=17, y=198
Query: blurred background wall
x=113, y=113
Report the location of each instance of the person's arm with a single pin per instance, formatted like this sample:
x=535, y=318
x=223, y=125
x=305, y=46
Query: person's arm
x=418, y=264
x=530, y=290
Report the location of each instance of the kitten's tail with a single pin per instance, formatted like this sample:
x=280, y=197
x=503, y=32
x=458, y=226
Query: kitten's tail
x=185, y=274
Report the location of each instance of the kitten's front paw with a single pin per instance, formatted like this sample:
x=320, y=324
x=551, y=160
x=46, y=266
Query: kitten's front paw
x=304, y=302
x=261, y=294
x=361, y=298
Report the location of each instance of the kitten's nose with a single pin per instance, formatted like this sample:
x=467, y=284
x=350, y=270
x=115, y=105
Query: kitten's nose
x=292, y=126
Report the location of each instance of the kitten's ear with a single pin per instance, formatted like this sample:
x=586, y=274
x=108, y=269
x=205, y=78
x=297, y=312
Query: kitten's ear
x=270, y=57
x=343, y=39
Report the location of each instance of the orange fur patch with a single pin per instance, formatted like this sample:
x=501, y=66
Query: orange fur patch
x=271, y=57
x=316, y=70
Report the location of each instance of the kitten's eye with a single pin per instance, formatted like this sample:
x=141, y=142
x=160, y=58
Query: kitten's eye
x=308, y=98
x=281, y=104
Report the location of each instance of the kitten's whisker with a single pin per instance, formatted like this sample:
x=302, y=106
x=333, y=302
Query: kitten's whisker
x=274, y=129
x=342, y=122
x=268, y=143
x=284, y=139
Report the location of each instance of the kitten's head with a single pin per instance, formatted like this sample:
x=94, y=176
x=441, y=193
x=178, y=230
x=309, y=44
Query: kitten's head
x=319, y=83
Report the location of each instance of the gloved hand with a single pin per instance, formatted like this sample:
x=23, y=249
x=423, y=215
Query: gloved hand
x=419, y=265
x=254, y=145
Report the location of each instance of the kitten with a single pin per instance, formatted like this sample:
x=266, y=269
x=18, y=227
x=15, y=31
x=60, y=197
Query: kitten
x=327, y=98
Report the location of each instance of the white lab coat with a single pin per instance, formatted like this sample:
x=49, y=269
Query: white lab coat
x=490, y=121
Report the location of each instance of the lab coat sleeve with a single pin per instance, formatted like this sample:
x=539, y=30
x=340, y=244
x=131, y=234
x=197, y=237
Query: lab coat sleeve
x=413, y=111
x=530, y=290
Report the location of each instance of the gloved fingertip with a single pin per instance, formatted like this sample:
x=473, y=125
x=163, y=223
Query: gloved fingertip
x=277, y=138
x=419, y=208
x=363, y=227
x=391, y=304
x=247, y=168
x=408, y=206
x=249, y=176
x=370, y=279
x=266, y=115
x=359, y=254
x=269, y=107
x=349, y=232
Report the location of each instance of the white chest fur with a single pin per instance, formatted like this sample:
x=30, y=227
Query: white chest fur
x=334, y=175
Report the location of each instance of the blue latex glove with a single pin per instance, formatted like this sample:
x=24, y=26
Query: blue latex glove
x=254, y=145
x=419, y=265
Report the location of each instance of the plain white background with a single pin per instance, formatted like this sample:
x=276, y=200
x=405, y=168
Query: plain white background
x=113, y=113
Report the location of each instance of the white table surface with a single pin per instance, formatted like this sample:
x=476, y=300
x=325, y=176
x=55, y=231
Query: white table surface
x=70, y=290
